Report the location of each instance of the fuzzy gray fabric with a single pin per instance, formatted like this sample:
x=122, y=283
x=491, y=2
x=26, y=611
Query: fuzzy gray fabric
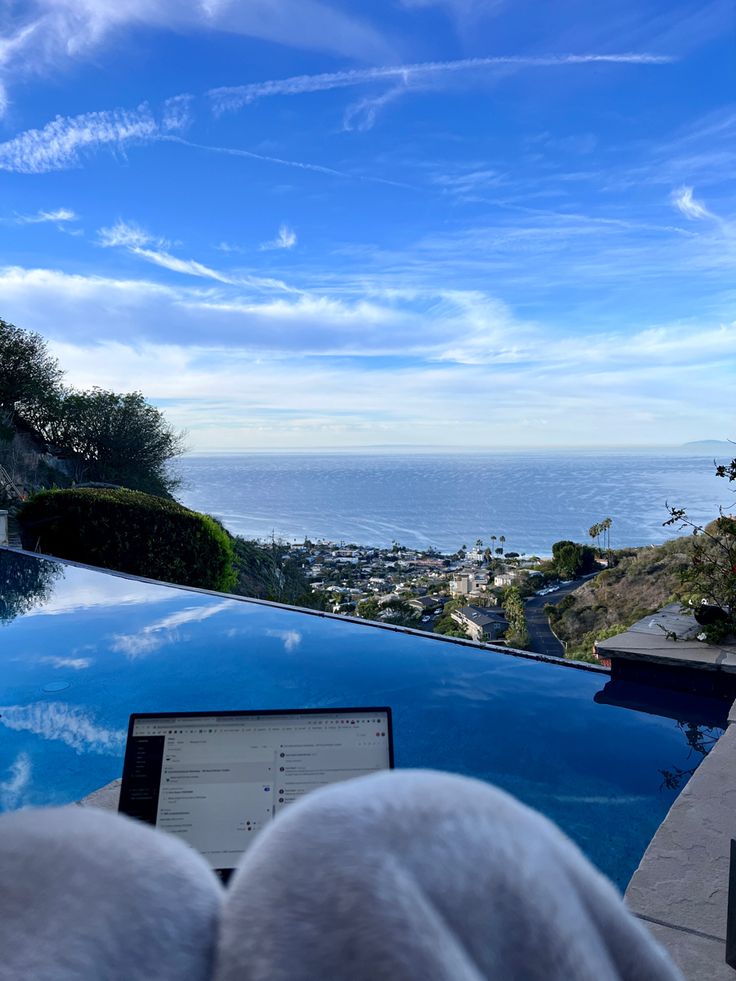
x=90, y=896
x=393, y=877
x=420, y=875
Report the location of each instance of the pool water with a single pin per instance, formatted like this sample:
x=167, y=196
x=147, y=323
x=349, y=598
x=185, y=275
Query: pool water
x=81, y=649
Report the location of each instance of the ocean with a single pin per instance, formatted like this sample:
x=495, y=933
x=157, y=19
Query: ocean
x=447, y=500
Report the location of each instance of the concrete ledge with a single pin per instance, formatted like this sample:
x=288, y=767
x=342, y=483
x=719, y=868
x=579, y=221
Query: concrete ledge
x=106, y=798
x=696, y=956
x=680, y=889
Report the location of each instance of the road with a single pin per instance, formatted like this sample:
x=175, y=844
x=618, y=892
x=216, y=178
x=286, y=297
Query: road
x=541, y=638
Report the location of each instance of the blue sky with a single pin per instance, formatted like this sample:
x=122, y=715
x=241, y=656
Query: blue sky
x=295, y=224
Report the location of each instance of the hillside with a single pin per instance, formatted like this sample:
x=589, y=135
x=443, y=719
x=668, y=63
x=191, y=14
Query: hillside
x=642, y=581
x=268, y=572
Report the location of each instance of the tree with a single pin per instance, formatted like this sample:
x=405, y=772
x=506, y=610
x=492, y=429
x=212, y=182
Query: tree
x=571, y=559
x=29, y=376
x=602, y=529
x=710, y=576
x=517, y=634
x=25, y=584
x=595, y=533
x=116, y=439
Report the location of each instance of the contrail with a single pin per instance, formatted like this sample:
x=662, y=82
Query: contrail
x=240, y=95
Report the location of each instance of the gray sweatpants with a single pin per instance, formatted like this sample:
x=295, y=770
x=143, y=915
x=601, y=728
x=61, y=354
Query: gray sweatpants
x=397, y=876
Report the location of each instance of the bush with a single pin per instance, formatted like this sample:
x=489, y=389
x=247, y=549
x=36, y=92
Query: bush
x=132, y=532
x=572, y=559
x=585, y=649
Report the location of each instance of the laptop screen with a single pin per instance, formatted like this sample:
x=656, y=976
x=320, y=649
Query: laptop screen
x=216, y=779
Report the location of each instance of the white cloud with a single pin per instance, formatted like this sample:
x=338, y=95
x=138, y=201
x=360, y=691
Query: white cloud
x=362, y=115
x=285, y=239
x=161, y=632
x=69, y=724
x=13, y=789
x=291, y=638
x=128, y=235
x=177, y=112
x=70, y=663
x=58, y=216
x=54, y=33
x=133, y=238
x=235, y=97
x=63, y=142
x=684, y=201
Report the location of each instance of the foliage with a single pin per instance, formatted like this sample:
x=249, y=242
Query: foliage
x=113, y=438
x=396, y=612
x=104, y=436
x=448, y=627
x=710, y=575
x=700, y=739
x=268, y=572
x=29, y=376
x=24, y=583
x=572, y=560
x=517, y=634
x=640, y=582
x=555, y=610
x=601, y=532
x=130, y=532
x=583, y=650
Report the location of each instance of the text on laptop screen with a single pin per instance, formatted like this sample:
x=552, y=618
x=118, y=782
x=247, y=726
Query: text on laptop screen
x=215, y=780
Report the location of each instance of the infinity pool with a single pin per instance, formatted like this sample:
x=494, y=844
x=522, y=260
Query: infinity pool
x=81, y=649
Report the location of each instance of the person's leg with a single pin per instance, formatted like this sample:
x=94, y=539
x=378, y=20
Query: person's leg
x=420, y=875
x=92, y=896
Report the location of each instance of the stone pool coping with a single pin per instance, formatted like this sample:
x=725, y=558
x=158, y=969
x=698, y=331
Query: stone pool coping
x=680, y=889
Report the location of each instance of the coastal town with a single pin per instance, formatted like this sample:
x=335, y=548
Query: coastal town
x=463, y=594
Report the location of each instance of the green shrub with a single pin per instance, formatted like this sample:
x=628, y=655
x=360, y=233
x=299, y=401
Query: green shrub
x=584, y=651
x=132, y=532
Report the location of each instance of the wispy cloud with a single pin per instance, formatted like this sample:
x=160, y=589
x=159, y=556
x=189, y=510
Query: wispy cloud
x=161, y=632
x=70, y=663
x=362, y=115
x=63, y=142
x=689, y=205
x=57, y=217
x=298, y=164
x=291, y=638
x=128, y=235
x=69, y=724
x=137, y=240
x=14, y=788
x=235, y=97
x=53, y=33
x=285, y=239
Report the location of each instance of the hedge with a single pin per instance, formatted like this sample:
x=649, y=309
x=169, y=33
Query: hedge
x=132, y=532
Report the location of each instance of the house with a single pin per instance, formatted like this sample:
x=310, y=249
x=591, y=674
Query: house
x=427, y=604
x=481, y=624
x=468, y=583
x=506, y=578
x=460, y=585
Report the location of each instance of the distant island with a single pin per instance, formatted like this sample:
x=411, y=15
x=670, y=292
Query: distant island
x=707, y=444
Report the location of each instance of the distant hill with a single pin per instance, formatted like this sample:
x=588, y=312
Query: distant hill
x=711, y=445
x=643, y=580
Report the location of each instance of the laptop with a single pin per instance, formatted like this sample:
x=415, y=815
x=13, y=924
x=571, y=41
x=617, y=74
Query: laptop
x=215, y=779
